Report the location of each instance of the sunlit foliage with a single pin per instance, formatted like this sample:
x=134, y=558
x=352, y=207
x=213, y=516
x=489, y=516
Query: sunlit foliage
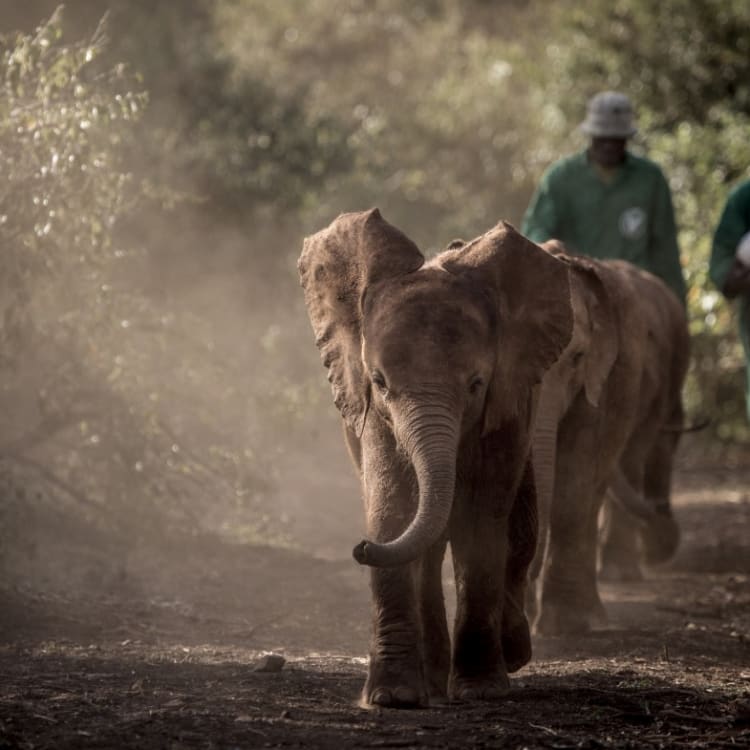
x=61, y=125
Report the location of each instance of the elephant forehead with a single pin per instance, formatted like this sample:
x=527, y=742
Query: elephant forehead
x=425, y=320
x=443, y=304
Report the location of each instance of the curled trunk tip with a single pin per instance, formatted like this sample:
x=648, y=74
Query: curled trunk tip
x=374, y=555
x=359, y=553
x=401, y=551
x=430, y=439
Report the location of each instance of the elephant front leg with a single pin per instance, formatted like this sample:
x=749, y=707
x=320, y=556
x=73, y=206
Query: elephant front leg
x=435, y=637
x=395, y=676
x=522, y=543
x=479, y=671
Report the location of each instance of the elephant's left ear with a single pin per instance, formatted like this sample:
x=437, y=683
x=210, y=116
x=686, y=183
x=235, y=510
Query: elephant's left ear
x=531, y=292
x=337, y=265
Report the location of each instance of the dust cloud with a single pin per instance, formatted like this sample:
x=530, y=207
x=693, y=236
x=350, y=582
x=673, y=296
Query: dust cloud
x=165, y=409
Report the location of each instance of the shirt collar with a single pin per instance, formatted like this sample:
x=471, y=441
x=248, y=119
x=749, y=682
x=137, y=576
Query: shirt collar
x=616, y=173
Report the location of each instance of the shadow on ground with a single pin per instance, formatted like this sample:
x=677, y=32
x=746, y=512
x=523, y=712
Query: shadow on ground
x=156, y=649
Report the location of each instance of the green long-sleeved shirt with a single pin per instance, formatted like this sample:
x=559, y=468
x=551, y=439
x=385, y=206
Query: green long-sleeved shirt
x=733, y=224
x=630, y=217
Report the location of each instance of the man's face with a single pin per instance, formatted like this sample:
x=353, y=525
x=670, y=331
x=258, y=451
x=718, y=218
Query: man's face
x=607, y=152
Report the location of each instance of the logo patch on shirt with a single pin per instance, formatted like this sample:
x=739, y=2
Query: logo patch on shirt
x=633, y=223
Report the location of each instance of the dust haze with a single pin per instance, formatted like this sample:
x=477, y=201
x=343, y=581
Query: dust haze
x=187, y=409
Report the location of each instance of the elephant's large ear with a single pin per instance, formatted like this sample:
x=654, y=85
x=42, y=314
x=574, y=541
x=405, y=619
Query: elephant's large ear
x=600, y=292
x=336, y=267
x=530, y=290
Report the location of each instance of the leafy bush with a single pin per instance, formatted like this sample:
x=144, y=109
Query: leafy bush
x=62, y=123
x=117, y=404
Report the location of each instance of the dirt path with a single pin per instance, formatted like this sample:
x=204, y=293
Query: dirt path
x=161, y=656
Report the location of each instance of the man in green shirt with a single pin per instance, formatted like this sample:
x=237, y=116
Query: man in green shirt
x=606, y=202
x=730, y=273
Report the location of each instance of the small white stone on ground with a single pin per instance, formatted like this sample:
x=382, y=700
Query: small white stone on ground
x=269, y=663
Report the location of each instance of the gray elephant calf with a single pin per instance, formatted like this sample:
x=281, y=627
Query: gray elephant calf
x=435, y=368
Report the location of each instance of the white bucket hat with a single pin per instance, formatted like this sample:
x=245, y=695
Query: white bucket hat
x=609, y=114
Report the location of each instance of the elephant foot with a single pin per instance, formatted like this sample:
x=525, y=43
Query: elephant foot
x=389, y=686
x=490, y=688
x=401, y=696
x=557, y=620
x=516, y=636
x=517, y=646
x=617, y=571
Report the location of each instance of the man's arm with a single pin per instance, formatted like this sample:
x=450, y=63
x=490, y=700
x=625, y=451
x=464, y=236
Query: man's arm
x=540, y=222
x=729, y=274
x=664, y=252
x=737, y=281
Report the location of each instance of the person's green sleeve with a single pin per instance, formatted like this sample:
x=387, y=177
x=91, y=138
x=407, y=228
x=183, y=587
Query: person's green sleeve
x=729, y=231
x=540, y=220
x=664, y=252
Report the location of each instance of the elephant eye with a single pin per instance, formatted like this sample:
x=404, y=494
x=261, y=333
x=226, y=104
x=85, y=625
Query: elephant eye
x=475, y=384
x=379, y=380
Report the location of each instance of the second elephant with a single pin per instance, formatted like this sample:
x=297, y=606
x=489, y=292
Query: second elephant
x=610, y=416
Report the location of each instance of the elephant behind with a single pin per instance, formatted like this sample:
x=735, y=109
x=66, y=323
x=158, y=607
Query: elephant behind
x=435, y=367
x=610, y=417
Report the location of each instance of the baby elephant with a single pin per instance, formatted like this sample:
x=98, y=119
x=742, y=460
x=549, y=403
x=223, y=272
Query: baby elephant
x=609, y=418
x=435, y=367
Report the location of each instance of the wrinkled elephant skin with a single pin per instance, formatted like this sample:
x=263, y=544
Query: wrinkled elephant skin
x=431, y=370
x=609, y=416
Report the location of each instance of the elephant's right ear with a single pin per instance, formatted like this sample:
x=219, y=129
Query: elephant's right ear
x=337, y=265
x=530, y=289
x=600, y=289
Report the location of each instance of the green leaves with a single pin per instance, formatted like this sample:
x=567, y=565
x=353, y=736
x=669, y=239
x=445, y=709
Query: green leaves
x=61, y=122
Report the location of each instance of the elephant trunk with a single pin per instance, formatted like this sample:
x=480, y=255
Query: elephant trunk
x=431, y=443
x=544, y=453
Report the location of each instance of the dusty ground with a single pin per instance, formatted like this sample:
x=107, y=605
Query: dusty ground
x=160, y=655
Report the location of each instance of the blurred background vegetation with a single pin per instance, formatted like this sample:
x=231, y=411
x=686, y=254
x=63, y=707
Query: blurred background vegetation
x=162, y=161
